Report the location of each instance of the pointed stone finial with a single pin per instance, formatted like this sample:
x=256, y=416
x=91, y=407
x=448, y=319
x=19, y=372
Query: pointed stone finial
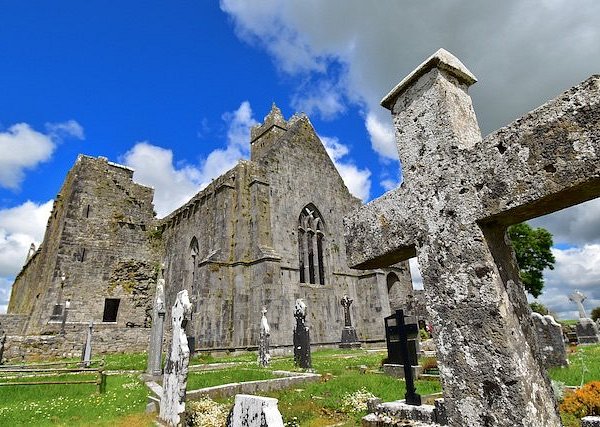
x=441, y=59
x=275, y=115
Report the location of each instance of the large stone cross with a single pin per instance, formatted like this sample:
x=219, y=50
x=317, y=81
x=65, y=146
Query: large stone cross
x=459, y=194
x=578, y=298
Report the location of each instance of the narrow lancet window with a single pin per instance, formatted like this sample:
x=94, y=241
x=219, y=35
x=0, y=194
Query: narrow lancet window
x=311, y=246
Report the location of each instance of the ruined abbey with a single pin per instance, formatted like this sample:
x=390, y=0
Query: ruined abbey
x=264, y=233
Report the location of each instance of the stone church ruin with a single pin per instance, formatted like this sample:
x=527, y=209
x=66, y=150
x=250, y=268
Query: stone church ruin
x=265, y=233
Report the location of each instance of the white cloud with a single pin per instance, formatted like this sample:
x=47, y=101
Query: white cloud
x=67, y=129
x=575, y=269
x=20, y=226
x=175, y=185
x=521, y=50
x=357, y=180
x=573, y=226
x=323, y=98
x=24, y=148
x=5, y=286
x=382, y=137
x=415, y=272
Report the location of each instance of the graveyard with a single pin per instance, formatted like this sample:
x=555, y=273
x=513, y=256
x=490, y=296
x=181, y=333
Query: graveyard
x=320, y=403
x=488, y=362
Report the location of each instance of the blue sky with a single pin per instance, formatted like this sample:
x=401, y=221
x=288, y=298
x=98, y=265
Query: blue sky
x=171, y=89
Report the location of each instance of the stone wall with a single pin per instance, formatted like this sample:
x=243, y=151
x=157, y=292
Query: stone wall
x=12, y=324
x=105, y=339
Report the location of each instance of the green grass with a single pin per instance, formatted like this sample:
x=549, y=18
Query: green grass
x=73, y=405
x=584, y=364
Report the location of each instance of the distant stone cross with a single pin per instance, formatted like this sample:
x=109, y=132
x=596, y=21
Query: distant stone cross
x=578, y=298
x=346, y=301
x=460, y=193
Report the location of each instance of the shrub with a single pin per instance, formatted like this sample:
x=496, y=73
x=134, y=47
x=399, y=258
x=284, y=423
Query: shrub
x=205, y=413
x=583, y=402
x=357, y=401
x=596, y=314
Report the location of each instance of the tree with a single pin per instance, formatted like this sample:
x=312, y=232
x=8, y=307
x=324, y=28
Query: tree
x=532, y=248
x=596, y=314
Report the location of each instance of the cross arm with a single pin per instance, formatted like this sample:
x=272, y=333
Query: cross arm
x=380, y=233
x=545, y=161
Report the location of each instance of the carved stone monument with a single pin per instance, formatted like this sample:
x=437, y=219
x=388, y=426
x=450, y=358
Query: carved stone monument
x=254, y=411
x=302, y=357
x=2, y=342
x=460, y=193
x=158, y=323
x=172, y=401
x=349, y=338
x=86, y=355
x=578, y=298
x=587, y=330
x=550, y=340
x=264, y=354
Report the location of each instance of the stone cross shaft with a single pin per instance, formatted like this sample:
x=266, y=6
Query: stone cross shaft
x=172, y=402
x=346, y=302
x=154, y=366
x=460, y=193
x=578, y=298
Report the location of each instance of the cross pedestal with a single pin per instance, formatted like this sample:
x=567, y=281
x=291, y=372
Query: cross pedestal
x=460, y=193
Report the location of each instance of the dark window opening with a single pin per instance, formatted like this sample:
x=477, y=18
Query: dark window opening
x=87, y=211
x=111, y=309
x=311, y=246
x=82, y=255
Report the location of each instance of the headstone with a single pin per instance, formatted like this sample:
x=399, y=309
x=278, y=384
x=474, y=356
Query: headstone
x=578, y=298
x=550, y=340
x=172, y=401
x=302, y=357
x=158, y=323
x=2, y=342
x=459, y=194
x=587, y=331
x=401, y=337
x=86, y=355
x=349, y=337
x=254, y=411
x=264, y=354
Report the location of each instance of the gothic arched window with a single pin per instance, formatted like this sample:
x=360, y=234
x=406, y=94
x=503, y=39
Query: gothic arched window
x=310, y=246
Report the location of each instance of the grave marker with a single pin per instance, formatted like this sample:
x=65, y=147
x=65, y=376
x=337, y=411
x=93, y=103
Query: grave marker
x=349, y=337
x=172, y=401
x=460, y=193
x=263, y=341
x=302, y=357
x=158, y=323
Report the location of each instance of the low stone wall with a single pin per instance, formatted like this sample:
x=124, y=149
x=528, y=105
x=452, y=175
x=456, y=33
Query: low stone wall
x=289, y=379
x=105, y=339
x=12, y=324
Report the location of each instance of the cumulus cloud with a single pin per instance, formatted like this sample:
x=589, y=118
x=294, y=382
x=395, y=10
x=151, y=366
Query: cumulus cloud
x=357, y=180
x=521, y=50
x=576, y=269
x=24, y=148
x=577, y=225
x=175, y=184
x=20, y=226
